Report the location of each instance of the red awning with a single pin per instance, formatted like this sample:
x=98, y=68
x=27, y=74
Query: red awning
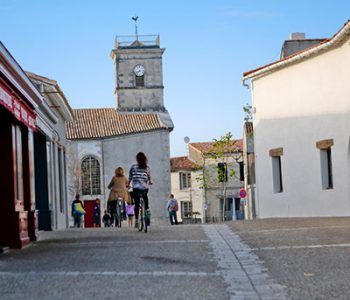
x=21, y=111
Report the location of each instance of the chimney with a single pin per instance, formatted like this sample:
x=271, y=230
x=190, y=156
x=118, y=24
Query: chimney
x=297, y=36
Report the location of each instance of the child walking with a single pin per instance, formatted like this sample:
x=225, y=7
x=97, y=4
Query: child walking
x=130, y=211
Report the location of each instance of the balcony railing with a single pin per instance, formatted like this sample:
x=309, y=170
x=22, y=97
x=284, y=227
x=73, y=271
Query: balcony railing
x=129, y=40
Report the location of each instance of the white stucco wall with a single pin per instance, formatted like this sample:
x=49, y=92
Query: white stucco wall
x=195, y=195
x=294, y=108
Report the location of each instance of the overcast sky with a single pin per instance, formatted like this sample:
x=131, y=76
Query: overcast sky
x=209, y=44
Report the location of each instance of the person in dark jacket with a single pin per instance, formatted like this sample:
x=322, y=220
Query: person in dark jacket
x=76, y=212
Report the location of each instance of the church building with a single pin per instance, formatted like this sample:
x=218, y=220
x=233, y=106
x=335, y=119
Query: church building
x=102, y=139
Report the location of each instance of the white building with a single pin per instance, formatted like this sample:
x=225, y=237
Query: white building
x=196, y=184
x=301, y=131
x=104, y=139
x=187, y=189
x=50, y=146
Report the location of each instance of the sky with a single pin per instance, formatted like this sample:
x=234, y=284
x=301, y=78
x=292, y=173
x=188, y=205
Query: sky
x=209, y=44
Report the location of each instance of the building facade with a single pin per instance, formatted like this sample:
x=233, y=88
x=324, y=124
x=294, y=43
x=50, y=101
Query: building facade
x=18, y=101
x=103, y=139
x=50, y=146
x=187, y=190
x=198, y=182
x=301, y=131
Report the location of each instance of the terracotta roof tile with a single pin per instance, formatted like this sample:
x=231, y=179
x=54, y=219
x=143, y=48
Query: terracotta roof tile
x=106, y=122
x=182, y=163
x=207, y=147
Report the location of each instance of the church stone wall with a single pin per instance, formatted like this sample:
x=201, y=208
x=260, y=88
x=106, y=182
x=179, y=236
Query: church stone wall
x=121, y=151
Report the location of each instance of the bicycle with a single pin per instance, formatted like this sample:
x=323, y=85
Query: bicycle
x=119, y=212
x=144, y=215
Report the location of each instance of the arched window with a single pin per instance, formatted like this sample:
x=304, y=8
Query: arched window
x=90, y=176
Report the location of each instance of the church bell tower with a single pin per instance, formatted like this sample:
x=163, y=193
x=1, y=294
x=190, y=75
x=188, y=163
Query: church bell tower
x=138, y=73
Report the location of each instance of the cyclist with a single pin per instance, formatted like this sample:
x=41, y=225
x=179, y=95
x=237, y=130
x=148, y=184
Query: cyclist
x=119, y=189
x=140, y=178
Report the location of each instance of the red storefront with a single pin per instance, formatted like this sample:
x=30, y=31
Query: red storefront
x=18, y=100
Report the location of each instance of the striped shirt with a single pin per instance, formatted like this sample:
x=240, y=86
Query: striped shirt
x=139, y=177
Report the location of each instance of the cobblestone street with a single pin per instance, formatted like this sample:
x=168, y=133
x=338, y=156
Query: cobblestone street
x=261, y=259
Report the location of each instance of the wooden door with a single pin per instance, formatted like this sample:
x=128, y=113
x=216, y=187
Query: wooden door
x=89, y=209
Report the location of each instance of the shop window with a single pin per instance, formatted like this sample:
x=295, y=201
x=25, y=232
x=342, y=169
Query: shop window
x=17, y=145
x=90, y=176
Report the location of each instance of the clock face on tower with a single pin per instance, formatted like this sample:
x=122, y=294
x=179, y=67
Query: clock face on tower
x=139, y=70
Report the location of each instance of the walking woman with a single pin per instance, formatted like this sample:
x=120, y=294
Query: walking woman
x=140, y=178
x=119, y=189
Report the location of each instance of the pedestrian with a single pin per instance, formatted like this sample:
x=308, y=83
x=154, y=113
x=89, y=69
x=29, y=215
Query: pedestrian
x=78, y=210
x=140, y=178
x=106, y=219
x=119, y=190
x=130, y=211
x=172, y=207
x=97, y=213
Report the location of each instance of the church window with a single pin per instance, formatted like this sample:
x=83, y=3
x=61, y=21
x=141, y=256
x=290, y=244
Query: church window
x=90, y=176
x=140, y=80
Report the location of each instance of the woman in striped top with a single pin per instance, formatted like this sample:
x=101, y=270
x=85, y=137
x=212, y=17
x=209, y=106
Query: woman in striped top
x=140, y=178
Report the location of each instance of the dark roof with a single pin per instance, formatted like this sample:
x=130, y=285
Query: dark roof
x=107, y=122
x=293, y=46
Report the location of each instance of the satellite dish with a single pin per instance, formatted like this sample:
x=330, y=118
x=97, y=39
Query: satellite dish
x=186, y=139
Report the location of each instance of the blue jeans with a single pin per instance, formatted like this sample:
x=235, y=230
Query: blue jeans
x=173, y=217
x=77, y=220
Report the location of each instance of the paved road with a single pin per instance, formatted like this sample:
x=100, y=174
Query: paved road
x=260, y=259
x=169, y=262
x=311, y=257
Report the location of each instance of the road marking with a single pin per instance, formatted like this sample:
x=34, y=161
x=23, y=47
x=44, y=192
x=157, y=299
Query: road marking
x=74, y=244
x=302, y=247
x=297, y=229
x=242, y=270
x=111, y=273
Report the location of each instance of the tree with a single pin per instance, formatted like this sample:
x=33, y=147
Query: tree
x=221, y=150
x=247, y=109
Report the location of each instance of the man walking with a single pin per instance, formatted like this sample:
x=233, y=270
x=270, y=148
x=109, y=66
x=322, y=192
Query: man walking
x=172, y=207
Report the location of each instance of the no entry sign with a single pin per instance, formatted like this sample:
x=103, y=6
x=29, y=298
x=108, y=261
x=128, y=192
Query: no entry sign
x=242, y=193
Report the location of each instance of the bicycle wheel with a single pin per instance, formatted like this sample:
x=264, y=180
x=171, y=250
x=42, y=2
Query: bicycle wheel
x=119, y=215
x=141, y=221
x=145, y=221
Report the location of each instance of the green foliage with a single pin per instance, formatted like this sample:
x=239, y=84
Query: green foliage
x=248, y=113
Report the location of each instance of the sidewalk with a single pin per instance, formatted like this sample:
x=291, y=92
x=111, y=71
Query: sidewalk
x=310, y=256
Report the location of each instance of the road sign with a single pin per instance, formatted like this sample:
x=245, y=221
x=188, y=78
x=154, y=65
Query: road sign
x=205, y=206
x=242, y=193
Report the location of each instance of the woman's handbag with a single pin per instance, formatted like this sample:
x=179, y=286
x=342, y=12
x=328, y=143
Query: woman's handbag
x=78, y=209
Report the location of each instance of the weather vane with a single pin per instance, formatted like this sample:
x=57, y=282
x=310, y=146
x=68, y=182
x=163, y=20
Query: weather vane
x=135, y=19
